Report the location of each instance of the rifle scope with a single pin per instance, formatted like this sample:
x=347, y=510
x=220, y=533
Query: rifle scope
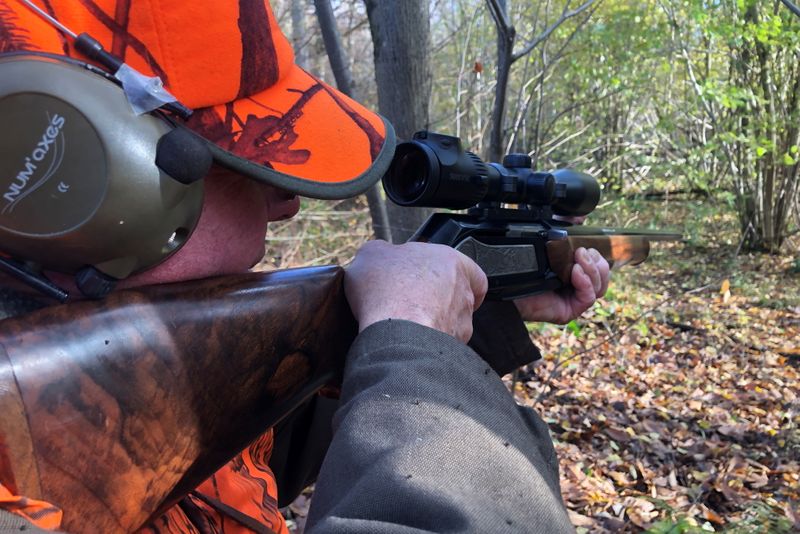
x=434, y=171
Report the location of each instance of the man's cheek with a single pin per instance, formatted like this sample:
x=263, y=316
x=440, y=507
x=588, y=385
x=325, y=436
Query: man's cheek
x=258, y=256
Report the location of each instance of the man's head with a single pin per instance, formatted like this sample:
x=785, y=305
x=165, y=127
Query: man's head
x=267, y=119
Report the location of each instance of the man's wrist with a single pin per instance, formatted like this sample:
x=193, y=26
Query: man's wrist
x=418, y=316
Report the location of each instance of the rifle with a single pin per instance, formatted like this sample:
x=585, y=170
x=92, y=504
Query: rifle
x=113, y=409
x=525, y=250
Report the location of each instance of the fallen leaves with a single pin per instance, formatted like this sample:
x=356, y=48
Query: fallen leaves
x=691, y=419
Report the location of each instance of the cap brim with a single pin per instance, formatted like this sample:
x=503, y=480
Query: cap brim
x=300, y=135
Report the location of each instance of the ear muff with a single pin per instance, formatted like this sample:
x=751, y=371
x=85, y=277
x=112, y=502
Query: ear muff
x=87, y=186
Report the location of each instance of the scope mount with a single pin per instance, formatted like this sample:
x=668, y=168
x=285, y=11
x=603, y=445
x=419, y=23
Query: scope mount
x=495, y=211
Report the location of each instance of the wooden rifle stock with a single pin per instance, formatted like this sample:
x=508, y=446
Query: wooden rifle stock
x=115, y=409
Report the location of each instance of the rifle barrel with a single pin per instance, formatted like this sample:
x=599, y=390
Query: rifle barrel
x=651, y=235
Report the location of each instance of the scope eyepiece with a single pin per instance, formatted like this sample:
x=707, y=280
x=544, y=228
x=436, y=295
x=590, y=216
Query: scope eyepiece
x=412, y=170
x=434, y=171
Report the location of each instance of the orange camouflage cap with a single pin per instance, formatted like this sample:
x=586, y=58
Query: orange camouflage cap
x=230, y=62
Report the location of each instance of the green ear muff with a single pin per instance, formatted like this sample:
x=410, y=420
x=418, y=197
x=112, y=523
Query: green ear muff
x=87, y=186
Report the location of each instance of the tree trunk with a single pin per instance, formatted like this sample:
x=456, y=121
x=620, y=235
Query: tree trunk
x=401, y=39
x=298, y=12
x=344, y=81
x=505, y=49
x=766, y=184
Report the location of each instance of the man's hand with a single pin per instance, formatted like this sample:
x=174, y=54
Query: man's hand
x=589, y=282
x=432, y=285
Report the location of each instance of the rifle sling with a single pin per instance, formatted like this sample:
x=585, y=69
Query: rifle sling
x=241, y=518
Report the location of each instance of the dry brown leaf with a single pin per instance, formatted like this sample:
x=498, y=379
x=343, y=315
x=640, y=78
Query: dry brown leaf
x=617, y=434
x=579, y=520
x=619, y=478
x=711, y=515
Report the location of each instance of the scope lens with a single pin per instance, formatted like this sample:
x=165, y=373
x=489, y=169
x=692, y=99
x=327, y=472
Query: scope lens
x=409, y=175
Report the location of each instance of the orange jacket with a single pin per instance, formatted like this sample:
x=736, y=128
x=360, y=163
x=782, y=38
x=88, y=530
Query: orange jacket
x=246, y=484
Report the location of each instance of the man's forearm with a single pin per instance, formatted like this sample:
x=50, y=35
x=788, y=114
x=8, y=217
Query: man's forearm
x=428, y=438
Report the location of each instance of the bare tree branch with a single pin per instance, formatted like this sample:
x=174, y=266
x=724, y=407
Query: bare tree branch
x=565, y=16
x=500, y=16
x=792, y=7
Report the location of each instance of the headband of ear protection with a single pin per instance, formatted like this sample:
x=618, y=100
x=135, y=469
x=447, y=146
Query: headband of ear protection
x=90, y=188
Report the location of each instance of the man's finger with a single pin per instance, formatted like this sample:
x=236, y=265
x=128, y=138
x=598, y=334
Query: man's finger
x=477, y=281
x=605, y=272
x=586, y=260
x=465, y=332
x=584, y=290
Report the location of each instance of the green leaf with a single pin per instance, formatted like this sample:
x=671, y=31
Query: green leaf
x=602, y=312
x=642, y=328
x=574, y=327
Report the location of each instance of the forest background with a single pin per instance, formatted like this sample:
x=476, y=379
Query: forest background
x=673, y=402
